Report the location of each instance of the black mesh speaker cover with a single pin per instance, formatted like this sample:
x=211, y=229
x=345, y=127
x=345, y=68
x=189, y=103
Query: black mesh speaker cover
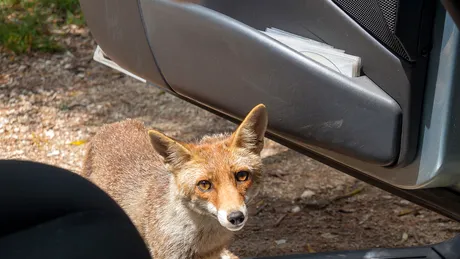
x=389, y=9
x=378, y=17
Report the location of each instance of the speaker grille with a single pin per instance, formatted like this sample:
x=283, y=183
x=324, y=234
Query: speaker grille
x=379, y=18
x=389, y=9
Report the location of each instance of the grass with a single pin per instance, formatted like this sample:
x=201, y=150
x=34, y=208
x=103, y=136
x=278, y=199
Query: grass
x=28, y=25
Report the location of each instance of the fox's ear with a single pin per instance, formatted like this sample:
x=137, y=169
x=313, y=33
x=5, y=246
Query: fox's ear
x=250, y=134
x=172, y=151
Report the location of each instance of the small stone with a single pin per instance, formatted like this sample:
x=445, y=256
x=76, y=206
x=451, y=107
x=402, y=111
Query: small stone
x=404, y=202
x=281, y=241
x=295, y=209
x=18, y=152
x=24, y=129
x=53, y=153
x=307, y=194
x=328, y=235
x=346, y=210
x=404, y=237
x=68, y=53
x=22, y=68
x=49, y=133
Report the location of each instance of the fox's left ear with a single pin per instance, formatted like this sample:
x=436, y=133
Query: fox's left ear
x=250, y=134
x=173, y=152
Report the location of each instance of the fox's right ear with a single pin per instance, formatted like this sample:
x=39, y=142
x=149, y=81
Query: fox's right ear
x=250, y=134
x=173, y=152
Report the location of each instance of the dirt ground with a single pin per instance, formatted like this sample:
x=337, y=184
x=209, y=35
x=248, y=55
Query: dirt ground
x=50, y=105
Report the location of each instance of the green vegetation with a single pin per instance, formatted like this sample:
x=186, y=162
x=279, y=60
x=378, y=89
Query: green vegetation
x=30, y=25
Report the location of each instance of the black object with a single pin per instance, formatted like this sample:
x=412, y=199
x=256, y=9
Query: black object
x=446, y=250
x=48, y=212
x=395, y=23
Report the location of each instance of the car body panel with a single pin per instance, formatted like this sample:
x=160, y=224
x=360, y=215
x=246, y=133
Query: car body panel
x=395, y=127
x=238, y=67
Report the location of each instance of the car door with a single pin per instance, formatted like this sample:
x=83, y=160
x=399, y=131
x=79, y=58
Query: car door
x=394, y=126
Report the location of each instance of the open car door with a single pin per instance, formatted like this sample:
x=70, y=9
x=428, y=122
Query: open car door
x=394, y=125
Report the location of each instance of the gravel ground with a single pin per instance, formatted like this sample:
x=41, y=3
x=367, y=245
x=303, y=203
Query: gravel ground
x=51, y=105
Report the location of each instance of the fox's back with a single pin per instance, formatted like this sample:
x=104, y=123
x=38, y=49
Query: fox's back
x=121, y=160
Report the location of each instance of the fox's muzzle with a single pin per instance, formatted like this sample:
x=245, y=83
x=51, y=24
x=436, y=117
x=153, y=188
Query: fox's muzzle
x=233, y=220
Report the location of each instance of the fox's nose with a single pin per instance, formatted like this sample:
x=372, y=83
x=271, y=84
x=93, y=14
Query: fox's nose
x=236, y=217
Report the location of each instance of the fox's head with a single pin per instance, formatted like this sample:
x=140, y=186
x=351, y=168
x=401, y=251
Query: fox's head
x=220, y=174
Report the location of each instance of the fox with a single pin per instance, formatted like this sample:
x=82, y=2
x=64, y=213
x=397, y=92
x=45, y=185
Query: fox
x=186, y=199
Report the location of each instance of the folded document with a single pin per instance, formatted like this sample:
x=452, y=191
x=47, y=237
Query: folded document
x=335, y=59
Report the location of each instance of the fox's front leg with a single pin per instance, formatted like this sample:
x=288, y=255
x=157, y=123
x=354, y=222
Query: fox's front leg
x=228, y=255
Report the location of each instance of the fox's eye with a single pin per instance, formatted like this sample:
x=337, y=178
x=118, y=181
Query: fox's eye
x=242, y=176
x=204, y=185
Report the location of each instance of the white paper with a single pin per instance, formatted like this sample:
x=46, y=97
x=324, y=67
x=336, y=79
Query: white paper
x=327, y=55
